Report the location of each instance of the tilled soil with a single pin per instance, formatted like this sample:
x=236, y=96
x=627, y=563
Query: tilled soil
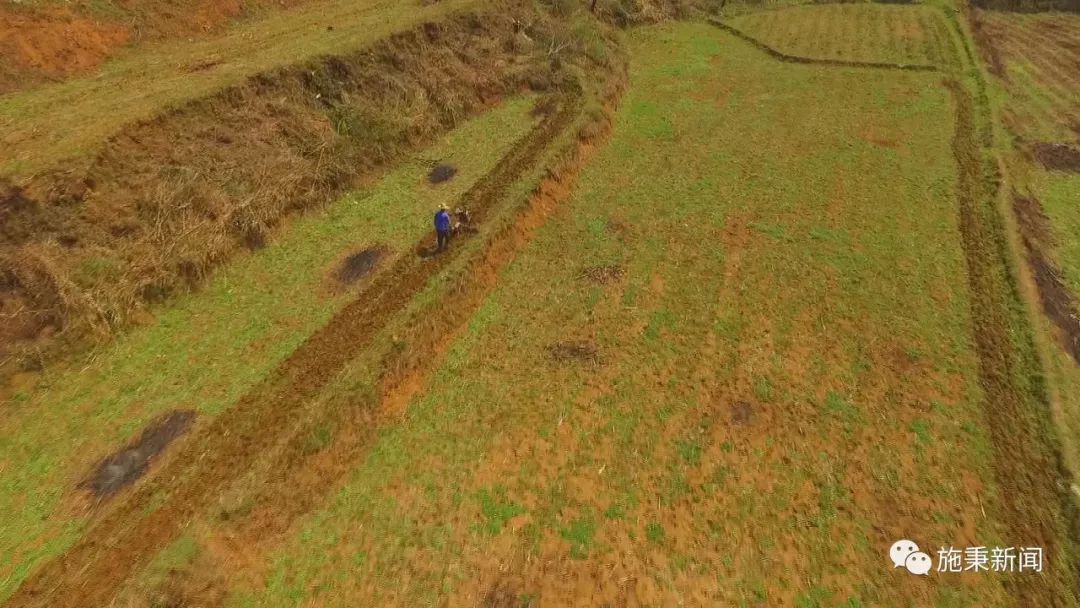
x=1057, y=301
x=301, y=479
x=91, y=571
x=1057, y=156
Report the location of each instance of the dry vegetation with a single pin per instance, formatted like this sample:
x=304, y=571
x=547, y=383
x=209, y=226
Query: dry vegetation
x=93, y=231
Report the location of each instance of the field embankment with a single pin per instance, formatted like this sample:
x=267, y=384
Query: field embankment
x=1032, y=60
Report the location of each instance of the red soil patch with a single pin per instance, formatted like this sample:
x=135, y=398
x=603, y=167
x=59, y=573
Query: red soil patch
x=880, y=138
x=55, y=43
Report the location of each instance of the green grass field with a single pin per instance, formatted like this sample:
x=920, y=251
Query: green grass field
x=759, y=266
x=207, y=350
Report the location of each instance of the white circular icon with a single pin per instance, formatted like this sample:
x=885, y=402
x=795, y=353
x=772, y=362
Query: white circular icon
x=900, y=551
x=918, y=563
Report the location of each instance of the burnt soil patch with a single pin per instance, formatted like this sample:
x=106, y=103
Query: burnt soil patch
x=1056, y=156
x=442, y=172
x=360, y=264
x=574, y=351
x=1056, y=299
x=130, y=463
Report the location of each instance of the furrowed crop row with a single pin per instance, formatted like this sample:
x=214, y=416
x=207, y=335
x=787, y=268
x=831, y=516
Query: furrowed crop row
x=1037, y=100
x=1060, y=99
x=1055, y=55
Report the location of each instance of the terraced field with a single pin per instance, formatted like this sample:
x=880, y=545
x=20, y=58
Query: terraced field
x=871, y=33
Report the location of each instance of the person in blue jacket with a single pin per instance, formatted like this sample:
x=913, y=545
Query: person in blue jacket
x=442, y=226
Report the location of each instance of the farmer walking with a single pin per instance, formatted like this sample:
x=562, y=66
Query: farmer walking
x=442, y=226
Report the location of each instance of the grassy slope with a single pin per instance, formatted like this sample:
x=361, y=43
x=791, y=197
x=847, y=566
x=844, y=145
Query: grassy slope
x=784, y=246
x=203, y=353
x=853, y=32
x=54, y=124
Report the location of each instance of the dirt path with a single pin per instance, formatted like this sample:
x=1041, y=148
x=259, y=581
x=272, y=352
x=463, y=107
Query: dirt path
x=90, y=572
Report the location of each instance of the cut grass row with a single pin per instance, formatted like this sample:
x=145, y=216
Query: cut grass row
x=202, y=353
